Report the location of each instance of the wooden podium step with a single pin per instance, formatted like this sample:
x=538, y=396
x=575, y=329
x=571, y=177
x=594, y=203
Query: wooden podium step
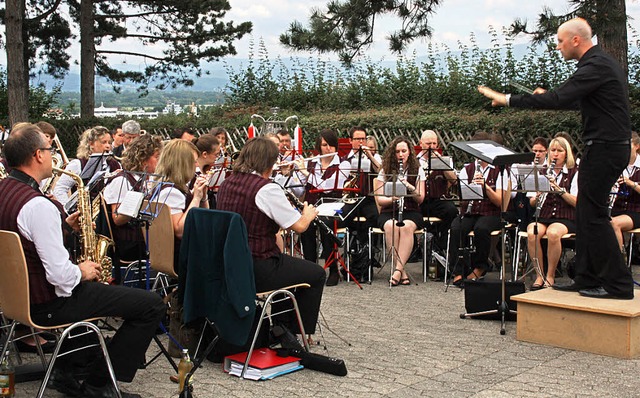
x=568, y=320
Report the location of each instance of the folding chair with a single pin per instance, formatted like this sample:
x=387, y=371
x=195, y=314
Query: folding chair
x=15, y=302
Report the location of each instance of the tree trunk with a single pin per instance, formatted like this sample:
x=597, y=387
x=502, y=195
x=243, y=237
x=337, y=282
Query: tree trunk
x=87, y=59
x=17, y=81
x=612, y=30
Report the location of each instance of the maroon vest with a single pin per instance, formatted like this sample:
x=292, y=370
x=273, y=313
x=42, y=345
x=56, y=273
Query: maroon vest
x=628, y=199
x=556, y=207
x=484, y=207
x=14, y=195
x=238, y=193
x=436, y=185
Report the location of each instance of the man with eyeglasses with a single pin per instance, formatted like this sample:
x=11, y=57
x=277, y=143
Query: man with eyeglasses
x=61, y=291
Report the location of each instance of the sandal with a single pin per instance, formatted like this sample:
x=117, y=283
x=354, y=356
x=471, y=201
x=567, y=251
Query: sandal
x=405, y=281
x=474, y=276
x=457, y=281
x=393, y=281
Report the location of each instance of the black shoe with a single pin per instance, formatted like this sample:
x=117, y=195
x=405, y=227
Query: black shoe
x=107, y=391
x=599, y=292
x=568, y=287
x=333, y=278
x=64, y=382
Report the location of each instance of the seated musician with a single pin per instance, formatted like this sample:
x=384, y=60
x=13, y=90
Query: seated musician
x=177, y=164
x=557, y=210
x=223, y=139
x=480, y=216
x=141, y=157
x=60, y=291
x=412, y=176
x=436, y=187
x=522, y=209
x=626, y=204
x=209, y=148
x=365, y=165
x=265, y=209
x=96, y=140
x=325, y=177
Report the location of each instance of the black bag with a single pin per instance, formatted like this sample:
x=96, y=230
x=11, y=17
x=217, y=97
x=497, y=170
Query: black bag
x=485, y=295
x=359, y=263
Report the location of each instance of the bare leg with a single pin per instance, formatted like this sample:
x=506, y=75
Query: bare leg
x=621, y=224
x=535, y=249
x=555, y=232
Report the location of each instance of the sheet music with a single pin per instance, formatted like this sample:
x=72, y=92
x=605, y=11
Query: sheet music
x=490, y=150
x=131, y=203
x=527, y=179
x=329, y=209
x=471, y=192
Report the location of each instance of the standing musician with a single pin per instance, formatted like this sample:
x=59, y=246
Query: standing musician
x=625, y=204
x=325, y=177
x=209, y=148
x=141, y=158
x=399, y=152
x=96, y=140
x=60, y=291
x=265, y=209
x=557, y=210
x=479, y=216
x=437, y=184
x=177, y=164
x=599, y=86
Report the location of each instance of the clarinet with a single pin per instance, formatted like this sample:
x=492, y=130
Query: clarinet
x=476, y=170
x=400, y=222
x=316, y=221
x=551, y=176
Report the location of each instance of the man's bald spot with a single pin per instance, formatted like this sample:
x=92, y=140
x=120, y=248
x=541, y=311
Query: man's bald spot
x=429, y=134
x=577, y=27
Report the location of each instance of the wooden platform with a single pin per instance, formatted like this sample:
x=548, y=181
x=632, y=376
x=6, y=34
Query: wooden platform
x=568, y=320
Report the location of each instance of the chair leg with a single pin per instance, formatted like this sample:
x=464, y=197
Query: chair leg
x=56, y=353
x=424, y=256
x=630, y=249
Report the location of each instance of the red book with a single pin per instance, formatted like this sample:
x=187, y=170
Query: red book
x=264, y=364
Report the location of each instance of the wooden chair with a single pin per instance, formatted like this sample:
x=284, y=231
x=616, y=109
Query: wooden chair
x=15, y=302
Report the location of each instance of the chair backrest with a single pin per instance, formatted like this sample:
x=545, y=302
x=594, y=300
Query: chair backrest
x=14, y=279
x=161, y=249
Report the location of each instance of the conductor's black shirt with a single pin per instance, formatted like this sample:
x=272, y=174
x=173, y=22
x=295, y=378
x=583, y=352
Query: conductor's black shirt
x=599, y=89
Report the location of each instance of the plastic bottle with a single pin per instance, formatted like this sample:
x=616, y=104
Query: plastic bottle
x=184, y=367
x=7, y=377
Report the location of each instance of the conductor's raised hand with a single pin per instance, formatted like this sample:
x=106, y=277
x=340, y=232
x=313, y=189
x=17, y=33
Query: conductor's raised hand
x=497, y=99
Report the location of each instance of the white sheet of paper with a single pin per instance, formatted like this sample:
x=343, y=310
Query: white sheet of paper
x=130, y=205
x=329, y=209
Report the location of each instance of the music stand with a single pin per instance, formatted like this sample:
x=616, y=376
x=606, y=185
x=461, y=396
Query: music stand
x=394, y=187
x=530, y=180
x=332, y=208
x=500, y=156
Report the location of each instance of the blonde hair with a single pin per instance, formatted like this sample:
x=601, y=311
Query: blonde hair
x=176, y=162
x=87, y=138
x=569, y=161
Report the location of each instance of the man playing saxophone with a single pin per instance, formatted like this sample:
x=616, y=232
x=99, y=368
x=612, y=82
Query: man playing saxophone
x=60, y=291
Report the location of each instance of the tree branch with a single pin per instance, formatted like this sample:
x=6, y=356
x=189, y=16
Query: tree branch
x=129, y=53
x=53, y=8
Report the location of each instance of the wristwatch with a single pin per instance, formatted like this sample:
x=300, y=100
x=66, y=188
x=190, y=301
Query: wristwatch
x=562, y=191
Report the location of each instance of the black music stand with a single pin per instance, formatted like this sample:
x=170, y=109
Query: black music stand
x=332, y=208
x=500, y=156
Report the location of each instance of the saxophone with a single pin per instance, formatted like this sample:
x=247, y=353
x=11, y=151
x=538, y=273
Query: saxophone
x=94, y=246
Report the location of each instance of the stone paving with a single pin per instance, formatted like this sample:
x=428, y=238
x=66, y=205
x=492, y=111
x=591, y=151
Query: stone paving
x=409, y=341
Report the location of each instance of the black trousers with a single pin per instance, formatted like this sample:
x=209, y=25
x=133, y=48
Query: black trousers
x=599, y=261
x=444, y=210
x=310, y=245
x=367, y=209
x=277, y=272
x=481, y=227
x=141, y=311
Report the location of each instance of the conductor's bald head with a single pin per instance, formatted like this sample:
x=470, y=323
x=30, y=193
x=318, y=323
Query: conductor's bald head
x=574, y=38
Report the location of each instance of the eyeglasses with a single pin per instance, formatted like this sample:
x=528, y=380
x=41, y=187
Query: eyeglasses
x=359, y=139
x=50, y=149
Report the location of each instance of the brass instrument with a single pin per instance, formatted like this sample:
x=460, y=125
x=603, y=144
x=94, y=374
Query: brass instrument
x=543, y=196
x=94, y=246
x=59, y=161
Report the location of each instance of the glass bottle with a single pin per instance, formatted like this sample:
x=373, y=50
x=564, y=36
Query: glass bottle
x=7, y=377
x=184, y=367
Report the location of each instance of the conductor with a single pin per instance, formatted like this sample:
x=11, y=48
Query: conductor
x=598, y=88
